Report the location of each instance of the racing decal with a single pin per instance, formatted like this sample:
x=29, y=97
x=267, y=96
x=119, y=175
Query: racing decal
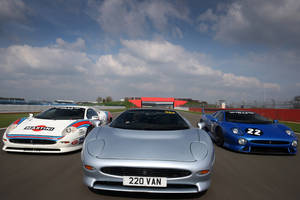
x=44, y=137
x=81, y=123
x=39, y=128
x=169, y=112
x=254, y=131
x=19, y=121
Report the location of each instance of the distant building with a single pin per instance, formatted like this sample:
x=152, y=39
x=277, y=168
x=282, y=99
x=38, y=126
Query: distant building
x=156, y=102
x=8, y=100
x=64, y=101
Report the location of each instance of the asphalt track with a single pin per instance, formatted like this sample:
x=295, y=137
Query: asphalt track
x=236, y=176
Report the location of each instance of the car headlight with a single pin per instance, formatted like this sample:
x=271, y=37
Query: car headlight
x=288, y=132
x=242, y=141
x=10, y=128
x=68, y=130
x=235, y=130
x=294, y=143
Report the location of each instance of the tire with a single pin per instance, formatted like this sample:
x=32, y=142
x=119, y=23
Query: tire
x=219, y=137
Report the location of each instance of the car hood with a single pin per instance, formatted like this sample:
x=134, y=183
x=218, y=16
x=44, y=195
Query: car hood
x=274, y=130
x=47, y=127
x=147, y=145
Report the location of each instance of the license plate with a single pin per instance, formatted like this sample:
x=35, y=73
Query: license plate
x=145, y=181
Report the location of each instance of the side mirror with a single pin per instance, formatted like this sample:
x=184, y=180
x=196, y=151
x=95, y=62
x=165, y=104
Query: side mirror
x=275, y=121
x=30, y=115
x=95, y=117
x=200, y=125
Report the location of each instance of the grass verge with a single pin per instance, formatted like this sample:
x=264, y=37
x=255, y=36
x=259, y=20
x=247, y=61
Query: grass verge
x=293, y=125
x=6, y=119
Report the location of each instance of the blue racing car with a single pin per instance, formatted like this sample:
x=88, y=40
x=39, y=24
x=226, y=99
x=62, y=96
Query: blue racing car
x=249, y=132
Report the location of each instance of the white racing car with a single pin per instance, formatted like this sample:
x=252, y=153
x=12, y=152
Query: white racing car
x=56, y=130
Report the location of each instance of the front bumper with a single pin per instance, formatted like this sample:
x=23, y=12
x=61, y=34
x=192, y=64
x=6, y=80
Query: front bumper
x=192, y=183
x=264, y=146
x=40, y=148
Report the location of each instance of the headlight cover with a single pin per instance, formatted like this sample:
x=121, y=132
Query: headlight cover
x=10, y=128
x=237, y=131
x=288, y=132
x=68, y=130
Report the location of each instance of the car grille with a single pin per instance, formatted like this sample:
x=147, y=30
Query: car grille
x=269, y=150
x=153, y=172
x=32, y=149
x=32, y=141
x=269, y=142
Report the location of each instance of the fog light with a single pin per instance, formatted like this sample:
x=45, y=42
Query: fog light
x=65, y=142
x=89, y=167
x=294, y=143
x=242, y=141
x=206, y=171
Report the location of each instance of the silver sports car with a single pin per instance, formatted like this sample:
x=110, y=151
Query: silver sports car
x=148, y=150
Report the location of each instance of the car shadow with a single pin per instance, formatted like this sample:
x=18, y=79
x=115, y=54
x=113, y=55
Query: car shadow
x=140, y=195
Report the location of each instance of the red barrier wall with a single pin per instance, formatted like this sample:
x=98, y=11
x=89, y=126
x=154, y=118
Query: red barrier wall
x=292, y=115
x=138, y=102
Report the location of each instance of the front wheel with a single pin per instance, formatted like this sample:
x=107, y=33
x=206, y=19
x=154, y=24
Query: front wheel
x=219, y=137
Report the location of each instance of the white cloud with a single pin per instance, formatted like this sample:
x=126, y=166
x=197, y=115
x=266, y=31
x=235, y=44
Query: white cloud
x=79, y=44
x=140, y=68
x=135, y=18
x=269, y=22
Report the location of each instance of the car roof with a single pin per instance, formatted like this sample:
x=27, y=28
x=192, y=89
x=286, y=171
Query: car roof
x=65, y=106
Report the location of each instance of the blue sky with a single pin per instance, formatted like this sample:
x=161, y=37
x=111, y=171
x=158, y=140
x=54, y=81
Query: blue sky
x=237, y=50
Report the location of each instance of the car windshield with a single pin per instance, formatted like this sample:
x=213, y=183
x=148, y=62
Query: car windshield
x=246, y=117
x=62, y=113
x=147, y=119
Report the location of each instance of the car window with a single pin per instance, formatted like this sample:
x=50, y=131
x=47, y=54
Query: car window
x=149, y=119
x=220, y=116
x=62, y=113
x=246, y=117
x=90, y=113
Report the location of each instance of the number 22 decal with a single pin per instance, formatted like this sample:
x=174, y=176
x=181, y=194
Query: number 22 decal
x=254, y=131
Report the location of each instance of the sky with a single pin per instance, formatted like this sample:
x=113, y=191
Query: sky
x=236, y=50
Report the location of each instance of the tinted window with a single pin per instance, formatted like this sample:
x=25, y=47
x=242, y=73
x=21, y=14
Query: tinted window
x=90, y=113
x=246, y=117
x=145, y=119
x=62, y=113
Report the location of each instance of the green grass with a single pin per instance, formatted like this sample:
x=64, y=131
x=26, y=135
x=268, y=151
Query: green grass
x=293, y=125
x=7, y=119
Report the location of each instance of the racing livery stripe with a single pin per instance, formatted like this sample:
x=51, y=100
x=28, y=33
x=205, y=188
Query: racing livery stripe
x=46, y=137
x=19, y=121
x=80, y=123
x=106, y=113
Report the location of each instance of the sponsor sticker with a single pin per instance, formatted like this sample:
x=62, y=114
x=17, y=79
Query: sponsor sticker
x=39, y=128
